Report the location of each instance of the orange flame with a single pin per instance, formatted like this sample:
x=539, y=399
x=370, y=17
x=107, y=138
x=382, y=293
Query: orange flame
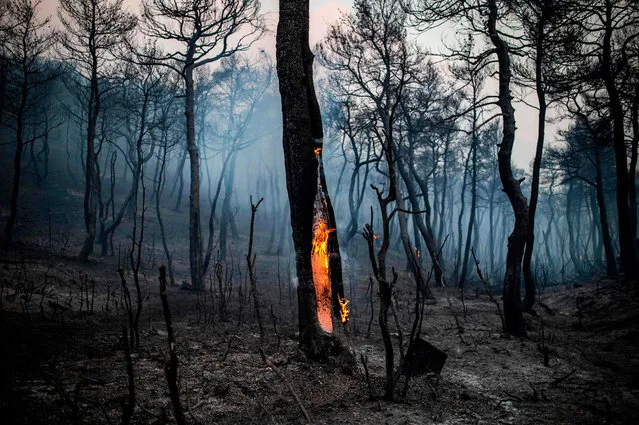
x=321, y=279
x=343, y=311
x=317, y=151
x=419, y=252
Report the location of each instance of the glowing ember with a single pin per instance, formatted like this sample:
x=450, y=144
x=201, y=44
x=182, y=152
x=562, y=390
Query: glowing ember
x=343, y=311
x=317, y=151
x=321, y=279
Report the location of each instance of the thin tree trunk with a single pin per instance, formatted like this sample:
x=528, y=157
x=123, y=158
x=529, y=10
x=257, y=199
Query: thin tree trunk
x=90, y=195
x=179, y=182
x=460, y=233
x=17, y=159
x=611, y=266
x=473, y=194
x=195, y=233
x=572, y=244
x=158, y=198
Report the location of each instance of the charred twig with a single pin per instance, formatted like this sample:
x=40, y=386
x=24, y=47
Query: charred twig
x=127, y=304
x=370, y=294
x=171, y=366
x=129, y=405
x=489, y=292
x=371, y=389
x=250, y=262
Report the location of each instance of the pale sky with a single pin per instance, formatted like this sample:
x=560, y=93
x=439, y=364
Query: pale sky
x=325, y=12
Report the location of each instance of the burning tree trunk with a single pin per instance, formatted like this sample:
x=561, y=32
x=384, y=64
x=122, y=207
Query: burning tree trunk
x=318, y=261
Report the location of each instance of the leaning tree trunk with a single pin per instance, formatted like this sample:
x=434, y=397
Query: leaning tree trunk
x=302, y=142
x=511, y=186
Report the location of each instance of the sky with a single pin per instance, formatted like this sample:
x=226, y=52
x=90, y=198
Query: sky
x=325, y=12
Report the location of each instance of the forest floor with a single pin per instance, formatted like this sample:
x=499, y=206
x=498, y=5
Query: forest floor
x=63, y=361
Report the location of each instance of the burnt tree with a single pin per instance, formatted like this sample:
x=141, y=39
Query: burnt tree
x=305, y=182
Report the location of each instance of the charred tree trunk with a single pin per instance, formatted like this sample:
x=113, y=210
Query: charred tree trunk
x=158, y=198
x=17, y=159
x=226, y=221
x=632, y=172
x=302, y=134
x=460, y=233
x=529, y=281
x=473, y=190
x=511, y=186
x=195, y=232
x=596, y=231
x=627, y=243
x=90, y=195
x=216, y=197
x=442, y=208
x=573, y=247
x=611, y=265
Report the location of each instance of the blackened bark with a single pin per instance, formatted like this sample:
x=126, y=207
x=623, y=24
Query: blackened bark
x=511, y=186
